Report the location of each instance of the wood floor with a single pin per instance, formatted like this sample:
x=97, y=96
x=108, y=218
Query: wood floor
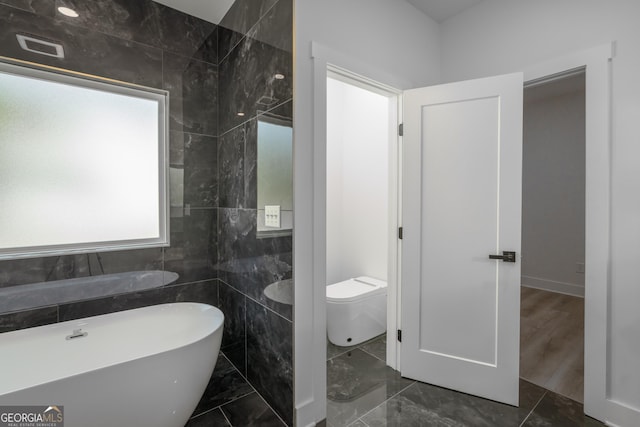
x=552, y=341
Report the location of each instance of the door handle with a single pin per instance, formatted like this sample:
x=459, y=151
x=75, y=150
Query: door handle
x=506, y=256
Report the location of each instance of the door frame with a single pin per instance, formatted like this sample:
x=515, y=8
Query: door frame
x=310, y=328
x=310, y=298
x=597, y=63
x=394, y=196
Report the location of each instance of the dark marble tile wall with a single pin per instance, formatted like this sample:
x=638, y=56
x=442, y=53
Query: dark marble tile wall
x=243, y=15
x=85, y=50
x=149, y=23
x=41, y=7
x=255, y=44
x=35, y=270
x=137, y=42
x=250, y=264
x=193, y=88
x=145, y=43
x=269, y=358
x=234, y=306
x=212, y=73
x=204, y=292
x=248, y=82
x=28, y=318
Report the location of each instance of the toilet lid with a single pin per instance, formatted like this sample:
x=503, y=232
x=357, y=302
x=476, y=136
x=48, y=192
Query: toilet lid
x=352, y=289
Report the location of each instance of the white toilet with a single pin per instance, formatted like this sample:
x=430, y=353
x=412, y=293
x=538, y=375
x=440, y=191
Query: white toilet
x=356, y=310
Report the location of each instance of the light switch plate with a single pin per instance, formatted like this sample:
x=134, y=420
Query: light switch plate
x=272, y=216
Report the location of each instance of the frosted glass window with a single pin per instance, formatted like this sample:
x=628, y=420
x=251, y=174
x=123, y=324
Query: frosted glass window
x=82, y=164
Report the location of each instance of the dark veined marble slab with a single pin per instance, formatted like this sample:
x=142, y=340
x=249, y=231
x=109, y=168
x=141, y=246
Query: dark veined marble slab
x=226, y=385
x=270, y=358
x=55, y=292
x=251, y=410
x=40, y=7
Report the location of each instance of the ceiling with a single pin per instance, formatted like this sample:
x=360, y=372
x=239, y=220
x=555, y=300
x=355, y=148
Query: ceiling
x=209, y=10
x=441, y=10
x=214, y=10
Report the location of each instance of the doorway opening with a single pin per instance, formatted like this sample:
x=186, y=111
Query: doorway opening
x=361, y=241
x=553, y=235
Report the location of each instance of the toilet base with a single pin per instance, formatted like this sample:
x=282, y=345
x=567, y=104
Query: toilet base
x=355, y=322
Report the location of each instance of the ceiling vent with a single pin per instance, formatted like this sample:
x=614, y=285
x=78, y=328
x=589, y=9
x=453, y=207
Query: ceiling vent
x=43, y=47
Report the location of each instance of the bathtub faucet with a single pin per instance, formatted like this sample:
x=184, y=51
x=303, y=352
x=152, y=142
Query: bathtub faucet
x=77, y=333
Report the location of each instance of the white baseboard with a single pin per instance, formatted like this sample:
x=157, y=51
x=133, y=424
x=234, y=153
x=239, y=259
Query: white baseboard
x=553, y=286
x=307, y=414
x=621, y=415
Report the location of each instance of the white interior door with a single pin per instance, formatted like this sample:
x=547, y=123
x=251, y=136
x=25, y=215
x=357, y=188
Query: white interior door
x=461, y=203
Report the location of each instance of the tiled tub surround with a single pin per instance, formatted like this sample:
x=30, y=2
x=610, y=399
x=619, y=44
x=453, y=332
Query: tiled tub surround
x=16, y=298
x=214, y=248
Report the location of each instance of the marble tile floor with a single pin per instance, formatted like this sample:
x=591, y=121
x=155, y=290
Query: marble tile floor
x=231, y=401
x=363, y=392
x=376, y=347
x=249, y=410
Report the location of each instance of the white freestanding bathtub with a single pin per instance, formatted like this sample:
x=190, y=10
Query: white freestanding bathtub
x=142, y=367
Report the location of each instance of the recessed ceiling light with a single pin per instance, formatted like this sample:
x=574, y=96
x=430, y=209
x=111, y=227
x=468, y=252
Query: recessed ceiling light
x=279, y=76
x=68, y=12
x=240, y=114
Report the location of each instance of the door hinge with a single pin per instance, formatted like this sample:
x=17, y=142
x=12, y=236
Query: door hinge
x=399, y=335
x=400, y=233
x=401, y=129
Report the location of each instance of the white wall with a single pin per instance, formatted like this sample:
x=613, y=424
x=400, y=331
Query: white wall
x=386, y=40
x=392, y=37
x=553, y=187
x=357, y=182
x=336, y=112
x=499, y=36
